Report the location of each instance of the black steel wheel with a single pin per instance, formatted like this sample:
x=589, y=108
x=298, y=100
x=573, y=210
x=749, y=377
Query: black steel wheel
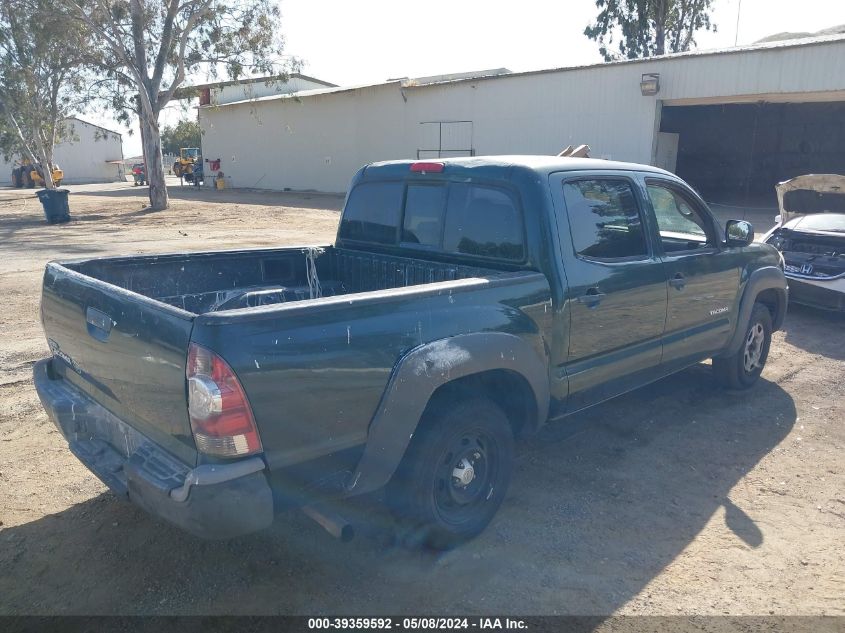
x=743, y=369
x=454, y=475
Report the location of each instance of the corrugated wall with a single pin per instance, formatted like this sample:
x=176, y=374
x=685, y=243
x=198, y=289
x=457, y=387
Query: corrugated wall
x=313, y=143
x=317, y=142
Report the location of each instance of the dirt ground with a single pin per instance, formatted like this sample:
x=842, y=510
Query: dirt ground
x=677, y=499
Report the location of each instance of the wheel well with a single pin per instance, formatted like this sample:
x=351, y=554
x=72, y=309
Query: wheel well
x=508, y=389
x=772, y=300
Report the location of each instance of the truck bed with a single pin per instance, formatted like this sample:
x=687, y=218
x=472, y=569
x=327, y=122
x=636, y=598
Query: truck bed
x=211, y=282
x=120, y=328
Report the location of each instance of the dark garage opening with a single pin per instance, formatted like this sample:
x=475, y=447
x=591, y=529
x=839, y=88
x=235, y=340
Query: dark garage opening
x=735, y=154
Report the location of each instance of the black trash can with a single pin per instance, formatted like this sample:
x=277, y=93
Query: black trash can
x=55, y=205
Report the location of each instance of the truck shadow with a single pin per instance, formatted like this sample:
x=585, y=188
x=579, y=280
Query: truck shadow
x=600, y=504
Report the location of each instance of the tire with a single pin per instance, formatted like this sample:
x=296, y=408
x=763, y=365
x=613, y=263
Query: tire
x=435, y=508
x=743, y=369
x=16, y=179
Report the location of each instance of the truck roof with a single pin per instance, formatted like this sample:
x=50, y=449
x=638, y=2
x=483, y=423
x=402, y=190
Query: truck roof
x=494, y=166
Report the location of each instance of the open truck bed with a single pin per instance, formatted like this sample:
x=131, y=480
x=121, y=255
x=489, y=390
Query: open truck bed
x=211, y=282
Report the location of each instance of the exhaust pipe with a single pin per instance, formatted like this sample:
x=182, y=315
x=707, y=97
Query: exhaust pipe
x=331, y=522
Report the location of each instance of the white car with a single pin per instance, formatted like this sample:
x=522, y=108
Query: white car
x=810, y=234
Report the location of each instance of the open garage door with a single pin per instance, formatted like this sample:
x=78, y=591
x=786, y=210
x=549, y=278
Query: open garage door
x=736, y=153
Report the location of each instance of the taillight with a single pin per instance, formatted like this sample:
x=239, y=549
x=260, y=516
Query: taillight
x=430, y=168
x=221, y=418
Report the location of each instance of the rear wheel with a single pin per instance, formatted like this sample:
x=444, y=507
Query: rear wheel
x=742, y=370
x=454, y=475
x=16, y=179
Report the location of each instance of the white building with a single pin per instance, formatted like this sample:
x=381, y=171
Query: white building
x=92, y=154
x=732, y=122
x=89, y=154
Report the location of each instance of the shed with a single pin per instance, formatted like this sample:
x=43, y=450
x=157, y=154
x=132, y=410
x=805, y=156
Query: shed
x=732, y=122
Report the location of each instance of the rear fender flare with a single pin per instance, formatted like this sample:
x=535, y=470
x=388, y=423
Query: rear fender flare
x=419, y=374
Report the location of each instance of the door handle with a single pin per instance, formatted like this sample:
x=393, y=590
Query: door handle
x=678, y=282
x=591, y=298
x=99, y=324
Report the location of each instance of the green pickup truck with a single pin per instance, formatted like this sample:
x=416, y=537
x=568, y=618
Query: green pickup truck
x=465, y=302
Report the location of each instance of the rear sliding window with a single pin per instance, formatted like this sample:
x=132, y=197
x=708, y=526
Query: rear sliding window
x=460, y=218
x=424, y=206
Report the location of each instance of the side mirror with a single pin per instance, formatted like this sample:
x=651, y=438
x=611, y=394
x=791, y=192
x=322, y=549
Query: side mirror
x=739, y=233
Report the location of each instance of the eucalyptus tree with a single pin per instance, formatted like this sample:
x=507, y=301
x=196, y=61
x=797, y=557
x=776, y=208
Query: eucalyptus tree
x=44, y=62
x=153, y=46
x=644, y=28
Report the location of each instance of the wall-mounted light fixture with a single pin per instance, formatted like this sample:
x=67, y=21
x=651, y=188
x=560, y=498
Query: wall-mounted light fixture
x=650, y=84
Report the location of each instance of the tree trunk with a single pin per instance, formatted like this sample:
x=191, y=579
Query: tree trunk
x=151, y=140
x=44, y=159
x=661, y=9
x=47, y=173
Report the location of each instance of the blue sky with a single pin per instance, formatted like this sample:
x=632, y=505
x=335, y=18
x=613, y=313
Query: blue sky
x=371, y=40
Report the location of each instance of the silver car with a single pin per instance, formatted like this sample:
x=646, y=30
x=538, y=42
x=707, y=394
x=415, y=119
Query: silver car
x=810, y=234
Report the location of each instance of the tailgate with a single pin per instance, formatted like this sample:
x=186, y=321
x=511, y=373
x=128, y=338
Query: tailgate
x=126, y=351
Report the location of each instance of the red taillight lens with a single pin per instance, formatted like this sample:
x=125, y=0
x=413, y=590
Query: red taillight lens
x=429, y=168
x=221, y=418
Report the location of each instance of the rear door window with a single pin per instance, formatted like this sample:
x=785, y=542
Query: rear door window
x=372, y=212
x=604, y=219
x=483, y=221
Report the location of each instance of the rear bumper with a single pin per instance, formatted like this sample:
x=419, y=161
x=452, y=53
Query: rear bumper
x=210, y=501
x=826, y=295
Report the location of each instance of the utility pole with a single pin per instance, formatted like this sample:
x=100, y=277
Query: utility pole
x=736, y=33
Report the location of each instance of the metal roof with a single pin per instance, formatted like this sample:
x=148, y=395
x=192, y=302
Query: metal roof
x=733, y=50
x=255, y=80
x=411, y=84
x=308, y=93
x=473, y=74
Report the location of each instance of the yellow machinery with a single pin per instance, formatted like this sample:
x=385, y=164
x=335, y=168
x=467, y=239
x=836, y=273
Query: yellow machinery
x=28, y=175
x=188, y=156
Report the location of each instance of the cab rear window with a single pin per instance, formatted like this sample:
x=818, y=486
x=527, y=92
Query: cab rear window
x=483, y=221
x=372, y=212
x=463, y=218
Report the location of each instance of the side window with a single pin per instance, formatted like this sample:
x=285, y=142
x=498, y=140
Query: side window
x=424, y=206
x=483, y=221
x=372, y=212
x=604, y=219
x=674, y=212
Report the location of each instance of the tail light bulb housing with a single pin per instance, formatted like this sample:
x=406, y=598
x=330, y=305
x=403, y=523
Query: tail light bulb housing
x=221, y=418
